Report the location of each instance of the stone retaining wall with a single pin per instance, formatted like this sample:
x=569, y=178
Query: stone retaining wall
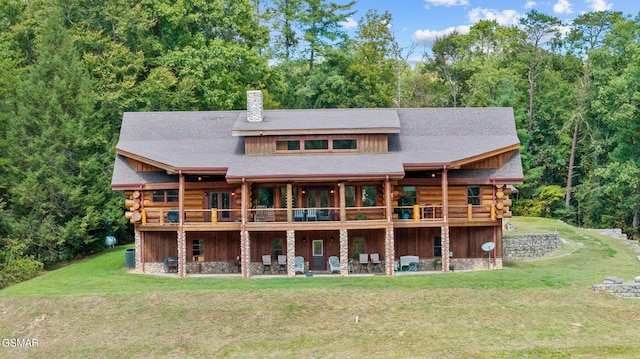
x=525, y=246
x=619, y=288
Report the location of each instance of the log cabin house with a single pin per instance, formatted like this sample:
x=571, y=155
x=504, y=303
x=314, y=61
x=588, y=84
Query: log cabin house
x=214, y=192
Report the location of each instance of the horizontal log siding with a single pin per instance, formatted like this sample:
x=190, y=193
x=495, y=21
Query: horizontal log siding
x=264, y=145
x=496, y=161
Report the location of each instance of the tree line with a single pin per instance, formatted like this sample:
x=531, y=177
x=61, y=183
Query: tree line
x=69, y=69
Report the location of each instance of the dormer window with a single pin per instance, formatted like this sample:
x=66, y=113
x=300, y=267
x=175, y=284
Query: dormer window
x=316, y=144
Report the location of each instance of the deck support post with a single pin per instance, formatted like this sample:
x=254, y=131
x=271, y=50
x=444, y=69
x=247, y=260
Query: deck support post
x=344, y=252
x=291, y=253
x=445, y=221
x=389, y=252
x=245, y=241
x=182, y=237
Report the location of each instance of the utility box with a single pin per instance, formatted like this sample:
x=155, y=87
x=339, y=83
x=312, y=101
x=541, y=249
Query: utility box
x=130, y=258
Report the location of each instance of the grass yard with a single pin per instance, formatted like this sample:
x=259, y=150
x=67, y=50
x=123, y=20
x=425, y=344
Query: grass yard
x=543, y=308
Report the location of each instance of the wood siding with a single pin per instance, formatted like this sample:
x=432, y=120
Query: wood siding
x=464, y=242
x=492, y=162
x=143, y=167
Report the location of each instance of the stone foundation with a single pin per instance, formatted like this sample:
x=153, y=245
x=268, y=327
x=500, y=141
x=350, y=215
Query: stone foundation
x=525, y=246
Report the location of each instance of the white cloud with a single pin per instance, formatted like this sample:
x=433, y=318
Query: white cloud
x=599, y=5
x=428, y=37
x=504, y=18
x=530, y=5
x=447, y=2
x=349, y=24
x=562, y=7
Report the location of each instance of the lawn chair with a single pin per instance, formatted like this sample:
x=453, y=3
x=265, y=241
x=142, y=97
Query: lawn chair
x=375, y=262
x=266, y=263
x=364, y=262
x=298, y=265
x=298, y=215
x=282, y=263
x=333, y=264
x=312, y=214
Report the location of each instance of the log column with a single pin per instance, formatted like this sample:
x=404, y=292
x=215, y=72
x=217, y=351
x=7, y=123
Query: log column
x=182, y=240
x=445, y=221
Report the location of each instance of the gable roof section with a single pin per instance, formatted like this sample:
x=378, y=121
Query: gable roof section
x=453, y=136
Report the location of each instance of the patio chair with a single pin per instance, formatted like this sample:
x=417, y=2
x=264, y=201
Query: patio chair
x=312, y=214
x=260, y=214
x=364, y=261
x=282, y=263
x=333, y=264
x=298, y=265
x=266, y=263
x=375, y=261
x=298, y=215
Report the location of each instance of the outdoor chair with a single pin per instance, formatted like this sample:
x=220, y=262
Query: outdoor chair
x=282, y=263
x=375, y=261
x=333, y=264
x=266, y=263
x=298, y=215
x=312, y=214
x=364, y=262
x=260, y=214
x=298, y=265
x=171, y=264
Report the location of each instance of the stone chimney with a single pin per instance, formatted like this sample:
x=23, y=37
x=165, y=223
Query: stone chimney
x=254, y=106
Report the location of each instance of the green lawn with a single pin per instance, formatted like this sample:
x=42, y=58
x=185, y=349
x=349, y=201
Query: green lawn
x=544, y=308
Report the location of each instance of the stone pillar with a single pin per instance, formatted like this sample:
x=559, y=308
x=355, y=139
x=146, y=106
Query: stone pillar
x=245, y=253
x=291, y=253
x=138, y=247
x=344, y=252
x=182, y=254
x=389, y=251
x=444, y=233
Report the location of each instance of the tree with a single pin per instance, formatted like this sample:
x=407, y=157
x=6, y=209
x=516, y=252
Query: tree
x=587, y=32
x=320, y=24
x=540, y=29
x=55, y=198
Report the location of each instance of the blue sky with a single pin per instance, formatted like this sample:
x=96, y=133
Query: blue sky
x=421, y=21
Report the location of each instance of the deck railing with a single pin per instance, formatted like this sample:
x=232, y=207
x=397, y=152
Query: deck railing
x=417, y=213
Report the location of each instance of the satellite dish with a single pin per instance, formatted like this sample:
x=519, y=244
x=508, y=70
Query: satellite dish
x=488, y=246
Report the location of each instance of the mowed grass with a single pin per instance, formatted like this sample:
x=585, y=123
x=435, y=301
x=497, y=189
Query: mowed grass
x=543, y=308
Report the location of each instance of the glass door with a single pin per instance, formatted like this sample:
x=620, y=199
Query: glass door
x=317, y=254
x=223, y=202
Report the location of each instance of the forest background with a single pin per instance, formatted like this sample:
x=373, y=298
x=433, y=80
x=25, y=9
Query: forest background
x=70, y=68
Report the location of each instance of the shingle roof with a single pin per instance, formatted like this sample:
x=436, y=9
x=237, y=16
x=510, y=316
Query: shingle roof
x=203, y=141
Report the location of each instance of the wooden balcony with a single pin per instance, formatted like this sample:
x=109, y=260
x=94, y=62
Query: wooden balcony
x=263, y=218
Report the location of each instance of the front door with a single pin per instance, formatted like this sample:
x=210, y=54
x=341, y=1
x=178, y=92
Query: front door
x=222, y=201
x=317, y=254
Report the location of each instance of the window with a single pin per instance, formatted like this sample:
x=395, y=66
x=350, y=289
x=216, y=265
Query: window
x=198, y=250
x=358, y=246
x=437, y=247
x=408, y=196
x=289, y=145
x=473, y=195
x=350, y=196
x=369, y=195
x=167, y=196
x=316, y=145
x=350, y=144
x=265, y=197
x=276, y=248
